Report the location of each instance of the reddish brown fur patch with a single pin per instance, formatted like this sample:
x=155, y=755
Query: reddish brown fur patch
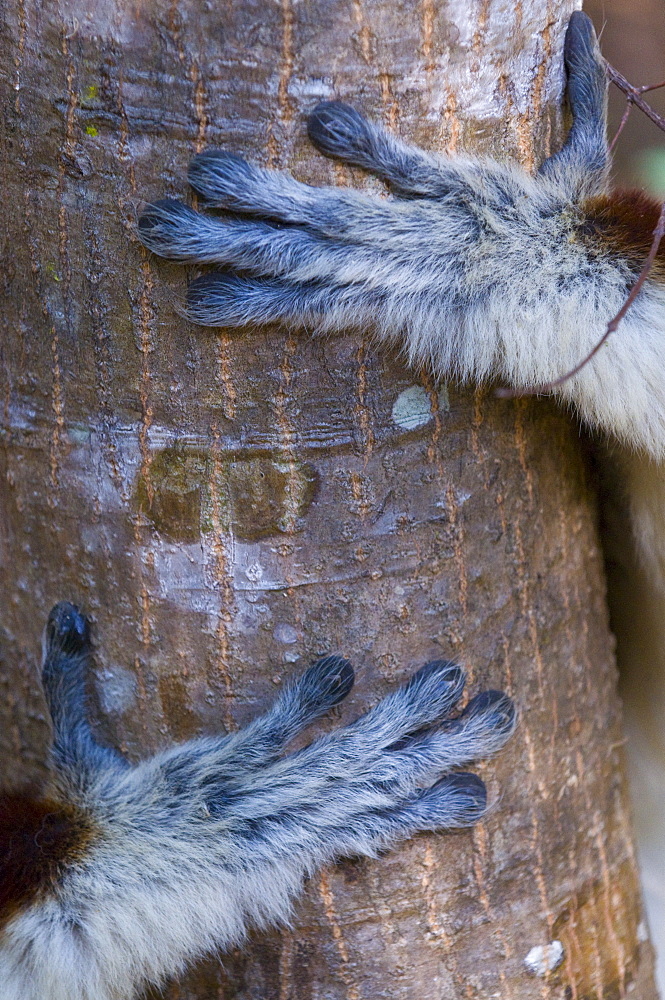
x=39, y=837
x=622, y=225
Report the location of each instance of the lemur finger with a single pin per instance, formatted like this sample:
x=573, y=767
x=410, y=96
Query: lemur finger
x=171, y=229
x=228, y=181
x=425, y=699
x=458, y=800
x=340, y=132
x=225, y=299
x=581, y=51
x=481, y=729
x=67, y=630
x=66, y=656
x=65, y=649
x=327, y=682
x=587, y=79
x=584, y=155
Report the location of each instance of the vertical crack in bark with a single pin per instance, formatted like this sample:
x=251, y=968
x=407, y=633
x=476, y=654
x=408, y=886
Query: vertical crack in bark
x=352, y=991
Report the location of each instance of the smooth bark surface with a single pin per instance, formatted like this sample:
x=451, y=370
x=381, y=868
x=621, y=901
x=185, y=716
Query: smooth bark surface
x=228, y=506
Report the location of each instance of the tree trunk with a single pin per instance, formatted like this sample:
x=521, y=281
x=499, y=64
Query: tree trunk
x=229, y=506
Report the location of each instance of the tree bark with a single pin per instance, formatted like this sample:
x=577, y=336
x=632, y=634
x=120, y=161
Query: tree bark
x=226, y=507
